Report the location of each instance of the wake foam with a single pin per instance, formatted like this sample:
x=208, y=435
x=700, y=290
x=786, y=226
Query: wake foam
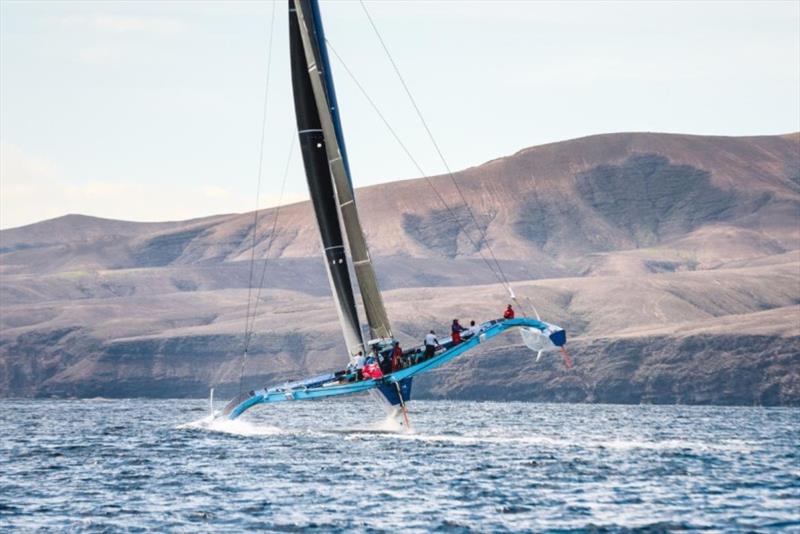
x=544, y=441
x=392, y=424
x=237, y=427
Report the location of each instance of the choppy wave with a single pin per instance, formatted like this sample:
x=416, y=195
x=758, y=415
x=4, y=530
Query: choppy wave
x=115, y=465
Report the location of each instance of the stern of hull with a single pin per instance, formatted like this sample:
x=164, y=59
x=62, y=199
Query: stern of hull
x=390, y=392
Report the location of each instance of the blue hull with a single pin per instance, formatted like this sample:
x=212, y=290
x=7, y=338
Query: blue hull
x=390, y=391
x=325, y=386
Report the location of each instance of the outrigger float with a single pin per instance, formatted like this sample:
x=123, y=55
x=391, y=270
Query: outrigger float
x=331, y=190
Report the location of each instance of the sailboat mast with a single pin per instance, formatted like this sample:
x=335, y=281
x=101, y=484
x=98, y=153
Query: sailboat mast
x=321, y=188
x=319, y=75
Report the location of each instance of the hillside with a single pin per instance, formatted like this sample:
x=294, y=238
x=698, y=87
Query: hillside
x=672, y=260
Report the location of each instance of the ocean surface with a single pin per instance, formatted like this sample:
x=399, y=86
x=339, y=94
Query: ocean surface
x=155, y=465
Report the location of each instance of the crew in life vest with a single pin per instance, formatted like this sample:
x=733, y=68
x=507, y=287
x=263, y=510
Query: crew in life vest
x=372, y=369
x=509, y=313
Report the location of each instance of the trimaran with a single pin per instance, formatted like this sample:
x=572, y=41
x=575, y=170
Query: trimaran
x=331, y=190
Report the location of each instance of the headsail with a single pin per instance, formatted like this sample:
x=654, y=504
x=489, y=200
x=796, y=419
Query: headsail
x=319, y=76
x=313, y=144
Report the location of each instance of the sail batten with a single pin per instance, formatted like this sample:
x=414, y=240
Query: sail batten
x=313, y=145
x=321, y=82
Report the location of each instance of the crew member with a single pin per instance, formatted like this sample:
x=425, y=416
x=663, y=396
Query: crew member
x=431, y=343
x=397, y=353
x=509, y=313
x=357, y=365
x=472, y=330
x=384, y=361
x=455, y=331
x=372, y=369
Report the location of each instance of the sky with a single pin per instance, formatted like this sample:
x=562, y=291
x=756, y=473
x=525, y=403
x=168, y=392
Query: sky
x=152, y=110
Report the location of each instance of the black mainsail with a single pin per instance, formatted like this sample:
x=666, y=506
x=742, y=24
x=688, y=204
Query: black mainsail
x=311, y=76
x=328, y=176
x=313, y=145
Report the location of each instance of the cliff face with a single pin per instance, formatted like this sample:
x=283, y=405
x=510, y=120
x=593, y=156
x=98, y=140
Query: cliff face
x=673, y=261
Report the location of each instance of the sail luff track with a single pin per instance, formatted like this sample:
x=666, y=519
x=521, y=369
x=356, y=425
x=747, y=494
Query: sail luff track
x=318, y=70
x=313, y=143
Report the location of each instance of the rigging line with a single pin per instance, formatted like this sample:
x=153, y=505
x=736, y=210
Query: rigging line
x=271, y=239
x=258, y=190
x=383, y=118
x=375, y=108
x=435, y=144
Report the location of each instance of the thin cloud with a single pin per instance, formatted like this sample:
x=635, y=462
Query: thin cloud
x=17, y=167
x=115, y=23
x=99, y=55
x=32, y=189
x=212, y=191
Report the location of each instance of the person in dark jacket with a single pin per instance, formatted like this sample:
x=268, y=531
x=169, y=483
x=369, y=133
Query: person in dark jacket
x=455, y=330
x=382, y=359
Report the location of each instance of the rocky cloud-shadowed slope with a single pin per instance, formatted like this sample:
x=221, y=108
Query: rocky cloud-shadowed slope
x=673, y=260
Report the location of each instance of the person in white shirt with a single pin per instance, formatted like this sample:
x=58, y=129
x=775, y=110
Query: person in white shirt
x=431, y=343
x=473, y=330
x=357, y=365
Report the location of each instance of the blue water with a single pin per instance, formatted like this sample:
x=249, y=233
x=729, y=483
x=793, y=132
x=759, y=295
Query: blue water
x=135, y=465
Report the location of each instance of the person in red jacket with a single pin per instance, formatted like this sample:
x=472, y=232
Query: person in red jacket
x=397, y=353
x=509, y=314
x=372, y=369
